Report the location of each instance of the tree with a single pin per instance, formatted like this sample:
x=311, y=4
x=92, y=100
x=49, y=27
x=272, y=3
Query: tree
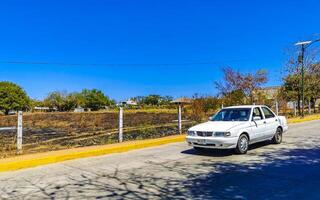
x=95, y=99
x=235, y=97
x=64, y=101
x=153, y=100
x=13, y=97
x=236, y=84
x=312, y=81
x=56, y=100
x=204, y=106
x=251, y=82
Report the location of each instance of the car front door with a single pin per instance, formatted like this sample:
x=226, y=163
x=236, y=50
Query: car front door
x=258, y=126
x=271, y=122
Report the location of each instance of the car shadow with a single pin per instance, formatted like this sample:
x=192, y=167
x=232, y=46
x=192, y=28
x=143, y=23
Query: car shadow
x=259, y=145
x=223, y=152
x=210, y=152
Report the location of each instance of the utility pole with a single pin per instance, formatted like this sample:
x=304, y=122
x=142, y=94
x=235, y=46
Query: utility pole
x=301, y=61
x=304, y=45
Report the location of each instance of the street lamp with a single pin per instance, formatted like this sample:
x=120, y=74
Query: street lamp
x=304, y=45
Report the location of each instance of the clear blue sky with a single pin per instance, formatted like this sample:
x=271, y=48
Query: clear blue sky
x=143, y=35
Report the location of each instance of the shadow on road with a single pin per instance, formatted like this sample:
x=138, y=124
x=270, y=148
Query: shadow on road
x=285, y=174
x=222, y=152
x=210, y=152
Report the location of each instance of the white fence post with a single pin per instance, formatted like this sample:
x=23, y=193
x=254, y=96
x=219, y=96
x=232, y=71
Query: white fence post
x=180, y=118
x=277, y=108
x=19, y=132
x=295, y=108
x=120, y=124
x=309, y=107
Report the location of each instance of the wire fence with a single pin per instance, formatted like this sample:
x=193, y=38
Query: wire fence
x=54, y=131
x=293, y=109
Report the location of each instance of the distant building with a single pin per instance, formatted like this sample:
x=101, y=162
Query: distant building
x=42, y=109
x=79, y=110
x=128, y=103
x=269, y=92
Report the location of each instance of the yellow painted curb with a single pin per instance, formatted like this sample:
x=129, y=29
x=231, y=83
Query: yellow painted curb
x=305, y=119
x=33, y=160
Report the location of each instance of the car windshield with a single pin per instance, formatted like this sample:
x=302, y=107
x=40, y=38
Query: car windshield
x=232, y=114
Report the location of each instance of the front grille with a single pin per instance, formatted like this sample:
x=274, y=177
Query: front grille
x=212, y=145
x=204, y=134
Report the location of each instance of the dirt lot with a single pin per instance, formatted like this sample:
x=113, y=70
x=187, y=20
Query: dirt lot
x=53, y=131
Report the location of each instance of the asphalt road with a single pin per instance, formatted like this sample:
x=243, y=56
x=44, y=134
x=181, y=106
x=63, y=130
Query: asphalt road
x=290, y=170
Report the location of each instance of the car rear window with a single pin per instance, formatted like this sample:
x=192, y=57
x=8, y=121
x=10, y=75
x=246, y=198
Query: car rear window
x=267, y=113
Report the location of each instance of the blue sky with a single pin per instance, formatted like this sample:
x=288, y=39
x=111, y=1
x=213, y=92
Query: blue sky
x=156, y=47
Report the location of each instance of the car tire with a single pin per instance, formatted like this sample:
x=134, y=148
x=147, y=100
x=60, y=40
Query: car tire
x=242, y=145
x=277, y=138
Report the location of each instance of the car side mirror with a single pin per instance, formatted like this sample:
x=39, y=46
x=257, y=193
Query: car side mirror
x=210, y=118
x=256, y=118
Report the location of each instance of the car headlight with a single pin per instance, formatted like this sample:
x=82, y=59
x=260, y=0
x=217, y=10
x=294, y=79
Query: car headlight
x=222, y=134
x=191, y=133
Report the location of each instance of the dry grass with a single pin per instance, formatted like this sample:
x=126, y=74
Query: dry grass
x=54, y=131
x=90, y=120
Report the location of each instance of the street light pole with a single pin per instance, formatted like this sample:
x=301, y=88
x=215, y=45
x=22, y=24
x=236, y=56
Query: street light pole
x=301, y=60
x=304, y=45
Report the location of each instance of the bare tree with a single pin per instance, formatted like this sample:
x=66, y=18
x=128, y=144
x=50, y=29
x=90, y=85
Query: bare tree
x=245, y=83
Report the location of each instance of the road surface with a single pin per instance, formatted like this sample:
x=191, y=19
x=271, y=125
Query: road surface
x=290, y=170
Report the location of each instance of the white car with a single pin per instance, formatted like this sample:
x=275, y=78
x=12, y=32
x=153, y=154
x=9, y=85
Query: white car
x=236, y=127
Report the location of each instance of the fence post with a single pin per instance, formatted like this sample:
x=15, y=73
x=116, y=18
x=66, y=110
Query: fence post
x=180, y=118
x=19, y=132
x=277, y=108
x=120, y=124
x=221, y=106
x=309, y=107
x=295, y=108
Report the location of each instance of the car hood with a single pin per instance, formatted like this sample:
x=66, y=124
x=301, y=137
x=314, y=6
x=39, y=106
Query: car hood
x=216, y=126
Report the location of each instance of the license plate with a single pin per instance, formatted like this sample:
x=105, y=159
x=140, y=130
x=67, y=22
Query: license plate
x=201, y=141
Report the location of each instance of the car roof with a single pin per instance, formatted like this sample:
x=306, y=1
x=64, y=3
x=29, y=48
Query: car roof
x=246, y=106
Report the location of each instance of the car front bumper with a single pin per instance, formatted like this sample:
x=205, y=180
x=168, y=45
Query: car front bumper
x=213, y=142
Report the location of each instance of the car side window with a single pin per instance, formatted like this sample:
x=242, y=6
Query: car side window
x=257, y=113
x=267, y=113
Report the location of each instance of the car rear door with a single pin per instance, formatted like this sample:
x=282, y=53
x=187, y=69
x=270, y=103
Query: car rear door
x=271, y=122
x=258, y=127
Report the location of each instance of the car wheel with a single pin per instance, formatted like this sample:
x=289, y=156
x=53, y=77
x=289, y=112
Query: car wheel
x=277, y=138
x=243, y=144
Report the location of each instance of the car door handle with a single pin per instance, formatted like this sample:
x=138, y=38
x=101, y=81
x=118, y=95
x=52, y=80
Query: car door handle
x=264, y=122
x=276, y=120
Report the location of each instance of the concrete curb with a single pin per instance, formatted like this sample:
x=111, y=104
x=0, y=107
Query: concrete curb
x=33, y=160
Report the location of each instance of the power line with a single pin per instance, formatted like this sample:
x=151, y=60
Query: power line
x=20, y=62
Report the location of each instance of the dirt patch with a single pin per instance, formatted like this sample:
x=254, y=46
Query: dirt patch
x=55, y=131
